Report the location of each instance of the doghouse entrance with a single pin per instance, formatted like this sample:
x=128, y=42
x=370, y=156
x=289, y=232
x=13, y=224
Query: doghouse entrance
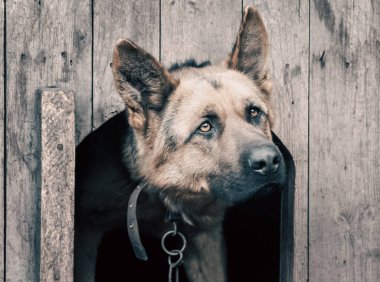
x=258, y=233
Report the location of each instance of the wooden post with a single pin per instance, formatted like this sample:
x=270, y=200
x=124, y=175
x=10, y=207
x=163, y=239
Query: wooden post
x=2, y=141
x=57, y=185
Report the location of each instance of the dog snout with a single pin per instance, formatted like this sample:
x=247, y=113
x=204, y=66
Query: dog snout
x=264, y=159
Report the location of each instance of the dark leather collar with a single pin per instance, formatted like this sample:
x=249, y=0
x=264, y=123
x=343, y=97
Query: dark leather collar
x=133, y=229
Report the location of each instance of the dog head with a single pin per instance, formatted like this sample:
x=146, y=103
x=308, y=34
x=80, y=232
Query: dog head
x=202, y=131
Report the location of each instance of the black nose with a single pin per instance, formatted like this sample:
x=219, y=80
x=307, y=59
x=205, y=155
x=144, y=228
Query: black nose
x=264, y=159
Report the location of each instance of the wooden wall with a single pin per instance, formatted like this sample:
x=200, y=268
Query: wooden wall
x=326, y=69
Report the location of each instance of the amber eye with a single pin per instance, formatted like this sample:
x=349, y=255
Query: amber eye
x=205, y=127
x=254, y=112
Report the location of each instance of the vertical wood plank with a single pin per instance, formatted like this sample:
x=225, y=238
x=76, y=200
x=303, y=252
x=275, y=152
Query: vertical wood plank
x=344, y=141
x=2, y=110
x=78, y=29
x=203, y=30
x=287, y=25
x=138, y=20
x=47, y=44
x=57, y=185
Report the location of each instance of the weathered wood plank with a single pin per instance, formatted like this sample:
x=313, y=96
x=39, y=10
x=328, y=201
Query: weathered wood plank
x=344, y=141
x=203, y=30
x=2, y=109
x=57, y=185
x=47, y=44
x=78, y=27
x=287, y=25
x=137, y=20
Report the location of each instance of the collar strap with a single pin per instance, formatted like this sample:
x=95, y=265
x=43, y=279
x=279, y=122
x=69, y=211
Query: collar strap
x=133, y=229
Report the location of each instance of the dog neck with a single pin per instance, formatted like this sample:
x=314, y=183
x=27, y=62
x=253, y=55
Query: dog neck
x=173, y=216
x=195, y=208
x=199, y=210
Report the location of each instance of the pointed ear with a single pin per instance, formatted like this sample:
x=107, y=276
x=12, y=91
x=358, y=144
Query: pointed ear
x=142, y=82
x=250, y=52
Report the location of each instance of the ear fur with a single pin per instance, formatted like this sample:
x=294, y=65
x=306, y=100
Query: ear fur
x=251, y=49
x=141, y=81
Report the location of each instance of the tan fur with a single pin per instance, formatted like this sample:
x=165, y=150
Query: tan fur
x=195, y=92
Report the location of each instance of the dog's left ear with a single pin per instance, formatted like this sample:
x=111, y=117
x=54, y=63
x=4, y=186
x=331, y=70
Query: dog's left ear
x=251, y=49
x=142, y=82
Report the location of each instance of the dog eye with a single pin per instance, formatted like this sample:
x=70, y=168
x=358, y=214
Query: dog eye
x=205, y=127
x=254, y=112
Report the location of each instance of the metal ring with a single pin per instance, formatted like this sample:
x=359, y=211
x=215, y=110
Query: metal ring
x=178, y=261
x=173, y=234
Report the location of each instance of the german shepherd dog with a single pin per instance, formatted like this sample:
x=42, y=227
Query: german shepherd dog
x=200, y=140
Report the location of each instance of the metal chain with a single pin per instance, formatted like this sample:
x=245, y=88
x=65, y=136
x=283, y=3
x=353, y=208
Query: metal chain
x=174, y=265
x=175, y=256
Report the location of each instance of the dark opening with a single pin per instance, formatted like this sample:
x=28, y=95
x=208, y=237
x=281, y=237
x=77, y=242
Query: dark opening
x=252, y=229
x=252, y=234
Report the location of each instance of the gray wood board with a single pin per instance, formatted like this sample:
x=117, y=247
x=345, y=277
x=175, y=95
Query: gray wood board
x=57, y=185
x=344, y=141
x=203, y=30
x=78, y=29
x=47, y=44
x=287, y=26
x=2, y=110
x=136, y=20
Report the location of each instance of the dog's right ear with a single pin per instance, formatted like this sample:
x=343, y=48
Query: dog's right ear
x=142, y=82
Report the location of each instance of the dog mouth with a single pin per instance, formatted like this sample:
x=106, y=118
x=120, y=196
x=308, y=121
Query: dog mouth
x=233, y=188
x=241, y=195
x=267, y=189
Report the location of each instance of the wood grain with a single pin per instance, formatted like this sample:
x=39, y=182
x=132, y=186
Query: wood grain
x=57, y=185
x=344, y=141
x=203, y=30
x=47, y=44
x=137, y=20
x=2, y=110
x=287, y=25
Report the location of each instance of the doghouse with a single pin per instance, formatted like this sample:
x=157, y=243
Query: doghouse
x=253, y=232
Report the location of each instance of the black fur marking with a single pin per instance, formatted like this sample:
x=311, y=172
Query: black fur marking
x=190, y=63
x=171, y=142
x=215, y=83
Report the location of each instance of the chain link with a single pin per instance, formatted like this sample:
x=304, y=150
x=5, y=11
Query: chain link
x=175, y=256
